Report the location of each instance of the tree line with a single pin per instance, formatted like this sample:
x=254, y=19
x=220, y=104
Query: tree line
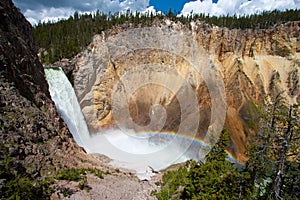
x=67, y=37
x=271, y=173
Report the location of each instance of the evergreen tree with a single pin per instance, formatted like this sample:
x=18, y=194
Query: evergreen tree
x=217, y=178
x=66, y=38
x=272, y=171
x=274, y=154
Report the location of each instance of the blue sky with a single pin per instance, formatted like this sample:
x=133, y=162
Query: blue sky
x=165, y=5
x=45, y=10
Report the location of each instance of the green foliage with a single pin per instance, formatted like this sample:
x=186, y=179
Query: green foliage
x=79, y=175
x=274, y=153
x=251, y=113
x=25, y=188
x=16, y=185
x=97, y=173
x=291, y=186
x=215, y=179
x=70, y=174
x=218, y=153
x=272, y=171
x=75, y=174
x=171, y=183
x=264, y=20
x=66, y=38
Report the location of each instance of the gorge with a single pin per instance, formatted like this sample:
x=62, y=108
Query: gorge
x=147, y=97
x=140, y=152
x=138, y=82
x=152, y=66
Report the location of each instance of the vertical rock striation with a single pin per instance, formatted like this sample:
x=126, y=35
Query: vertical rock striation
x=253, y=63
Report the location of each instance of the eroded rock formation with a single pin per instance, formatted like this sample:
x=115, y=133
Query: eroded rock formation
x=252, y=63
x=34, y=140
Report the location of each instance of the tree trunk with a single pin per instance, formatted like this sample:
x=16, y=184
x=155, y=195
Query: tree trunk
x=282, y=158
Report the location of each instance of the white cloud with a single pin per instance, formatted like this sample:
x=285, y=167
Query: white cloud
x=48, y=14
x=134, y=5
x=36, y=10
x=239, y=7
x=152, y=10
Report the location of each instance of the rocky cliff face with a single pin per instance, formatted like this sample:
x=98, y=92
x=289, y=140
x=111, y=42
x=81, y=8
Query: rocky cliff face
x=19, y=62
x=34, y=140
x=252, y=63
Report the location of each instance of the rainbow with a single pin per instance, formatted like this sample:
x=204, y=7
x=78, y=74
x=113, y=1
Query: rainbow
x=172, y=135
x=194, y=141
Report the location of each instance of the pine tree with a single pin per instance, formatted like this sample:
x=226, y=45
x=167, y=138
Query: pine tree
x=274, y=154
x=217, y=178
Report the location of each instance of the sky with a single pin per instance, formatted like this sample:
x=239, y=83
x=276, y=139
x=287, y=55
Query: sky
x=44, y=10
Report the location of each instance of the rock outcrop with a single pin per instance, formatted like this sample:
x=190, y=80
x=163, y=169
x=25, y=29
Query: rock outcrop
x=34, y=140
x=35, y=143
x=252, y=63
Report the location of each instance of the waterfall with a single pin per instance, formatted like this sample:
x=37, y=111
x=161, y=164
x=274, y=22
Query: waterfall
x=126, y=151
x=64, y=97
x=137, y=151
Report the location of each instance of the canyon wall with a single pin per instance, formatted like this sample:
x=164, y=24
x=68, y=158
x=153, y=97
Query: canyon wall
x=136, y=70
x=34, y=140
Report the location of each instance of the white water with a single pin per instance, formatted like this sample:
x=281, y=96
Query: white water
x=66, y=103
x=127, y=150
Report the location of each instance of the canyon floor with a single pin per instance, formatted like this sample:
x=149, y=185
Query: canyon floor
x=119, y=183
